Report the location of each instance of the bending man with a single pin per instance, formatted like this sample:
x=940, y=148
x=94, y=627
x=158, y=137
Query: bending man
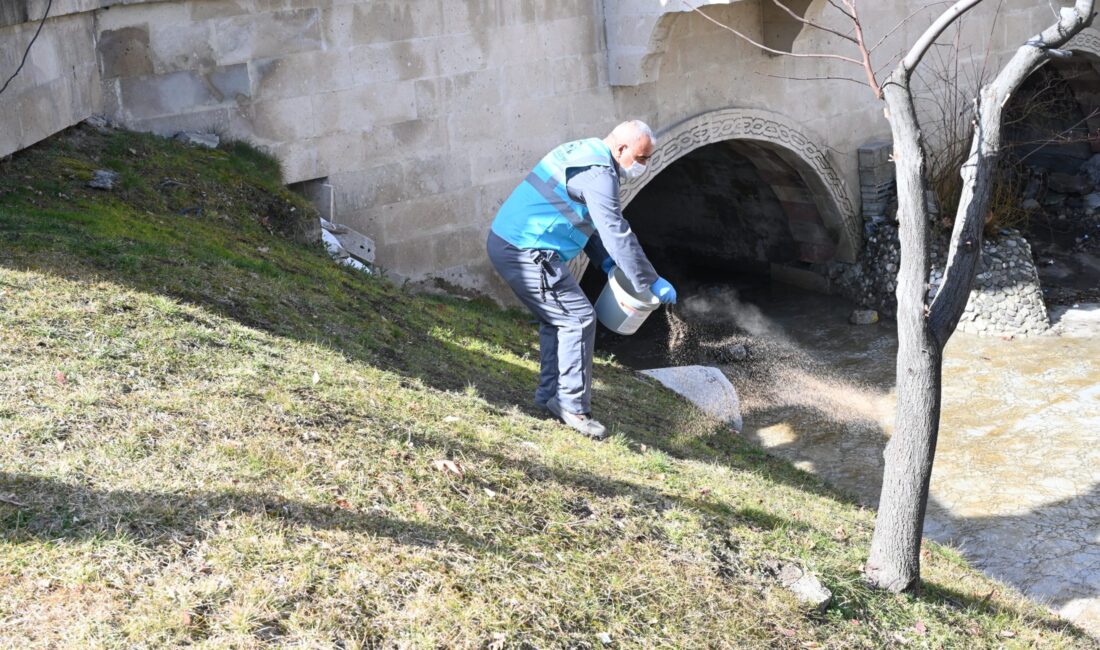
x=570, y=203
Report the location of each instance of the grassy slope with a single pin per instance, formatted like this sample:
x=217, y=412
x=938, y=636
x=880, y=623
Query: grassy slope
x=211, y=435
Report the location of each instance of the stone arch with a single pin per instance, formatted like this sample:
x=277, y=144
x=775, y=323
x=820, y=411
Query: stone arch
x=1087, y=41
x=783, y=137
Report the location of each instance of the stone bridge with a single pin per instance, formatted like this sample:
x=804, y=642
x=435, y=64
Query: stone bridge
x=422, y=115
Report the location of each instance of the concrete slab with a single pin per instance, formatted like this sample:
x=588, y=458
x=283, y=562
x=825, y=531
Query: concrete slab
x=704, y=386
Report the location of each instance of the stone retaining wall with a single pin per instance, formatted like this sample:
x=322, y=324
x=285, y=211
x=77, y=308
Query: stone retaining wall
x=1006, y=298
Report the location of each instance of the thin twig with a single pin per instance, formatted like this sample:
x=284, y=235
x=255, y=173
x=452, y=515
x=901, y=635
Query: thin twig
x=765, y=47
x=869, y=69
x=841, y=9
x=12, y=502
x=29, y=46
x=811, y=23
x=826, y=78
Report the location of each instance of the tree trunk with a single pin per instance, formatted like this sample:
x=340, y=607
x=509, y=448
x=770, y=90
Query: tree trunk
x=923, y=329
x=894, y=562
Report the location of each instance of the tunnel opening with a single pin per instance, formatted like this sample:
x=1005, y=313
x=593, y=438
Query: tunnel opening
x=733, y=222
x=1050, y=176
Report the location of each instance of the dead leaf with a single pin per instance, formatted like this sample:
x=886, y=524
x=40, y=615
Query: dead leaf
x=343, y=503
x=643, y=448
x=60, y=378
x=316, y=377
x=787, y=632
x=920, y=628
x=900, y=638
x=452, y=418
x=1008, y=634
x=489, y=492
x=498, y=641
x=186, y=618
x=449, y=466
x=840, y=534
x=420, y=508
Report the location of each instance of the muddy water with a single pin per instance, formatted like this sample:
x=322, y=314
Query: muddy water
x=1016, y=484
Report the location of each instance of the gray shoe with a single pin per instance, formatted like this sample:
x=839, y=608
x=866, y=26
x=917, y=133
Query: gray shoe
x=589, y=427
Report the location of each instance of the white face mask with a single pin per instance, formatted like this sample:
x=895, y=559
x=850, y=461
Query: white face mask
x=635, y=170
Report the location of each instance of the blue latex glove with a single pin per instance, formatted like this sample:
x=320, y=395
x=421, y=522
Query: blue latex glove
x=607, y=265
x=664, y=291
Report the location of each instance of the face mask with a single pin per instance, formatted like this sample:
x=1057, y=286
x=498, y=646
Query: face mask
x=635, y=170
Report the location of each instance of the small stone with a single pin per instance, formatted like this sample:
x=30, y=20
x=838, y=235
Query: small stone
x=805, y=586
x=735, y=353
x=1054, y=198
x=1069, y=183
x=863, y=317
x=103, y=179
x=100, y=123
x=1091, y=202
x=604, y=638
x=208, y=140
x=1031, y=205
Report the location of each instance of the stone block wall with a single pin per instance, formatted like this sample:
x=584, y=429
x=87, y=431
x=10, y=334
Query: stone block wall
x=59, y=85
x=422, y=115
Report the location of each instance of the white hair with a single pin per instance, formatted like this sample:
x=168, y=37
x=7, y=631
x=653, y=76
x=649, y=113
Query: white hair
x=631, y=131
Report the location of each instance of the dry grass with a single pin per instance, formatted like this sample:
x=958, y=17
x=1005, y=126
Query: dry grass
x=210, y=436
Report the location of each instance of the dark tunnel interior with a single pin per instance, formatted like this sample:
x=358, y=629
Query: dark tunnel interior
x=726, y=213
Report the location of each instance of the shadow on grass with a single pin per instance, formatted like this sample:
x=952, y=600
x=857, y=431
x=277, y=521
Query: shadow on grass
x=50, y=509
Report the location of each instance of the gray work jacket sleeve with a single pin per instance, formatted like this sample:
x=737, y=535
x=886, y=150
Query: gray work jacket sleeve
x=598, y=188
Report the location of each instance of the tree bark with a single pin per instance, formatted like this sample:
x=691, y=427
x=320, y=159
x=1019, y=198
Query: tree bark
x=924, y=329
x=894, y=562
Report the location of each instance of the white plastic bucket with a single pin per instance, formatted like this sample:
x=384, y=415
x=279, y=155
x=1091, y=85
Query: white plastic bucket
x=619, y=308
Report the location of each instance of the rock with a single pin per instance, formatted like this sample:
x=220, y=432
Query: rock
x=1053, y=199
x=1069, y=183
x=1092, y=202
x=103, y=179
x=1031, y=205
x=706, y=387
x=805, y=586
x=863, y=317
x=733, y=353
x=1091, y=168
x=100, y=123
x=351, y=241
x=194, y=138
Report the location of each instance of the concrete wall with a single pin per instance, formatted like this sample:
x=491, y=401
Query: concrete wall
x=423, y=114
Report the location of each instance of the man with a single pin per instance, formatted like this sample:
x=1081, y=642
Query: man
x=570, y=203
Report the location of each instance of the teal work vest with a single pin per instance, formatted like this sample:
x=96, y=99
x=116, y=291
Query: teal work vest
x=540, y=214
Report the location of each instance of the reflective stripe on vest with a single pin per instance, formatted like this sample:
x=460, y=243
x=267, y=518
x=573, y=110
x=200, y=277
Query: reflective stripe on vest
x=540, y=214
x=548, y=188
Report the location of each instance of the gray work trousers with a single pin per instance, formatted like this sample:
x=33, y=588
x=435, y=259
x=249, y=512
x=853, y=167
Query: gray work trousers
x=567, y=322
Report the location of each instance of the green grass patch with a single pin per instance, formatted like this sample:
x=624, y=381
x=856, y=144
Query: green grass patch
x=212, y=435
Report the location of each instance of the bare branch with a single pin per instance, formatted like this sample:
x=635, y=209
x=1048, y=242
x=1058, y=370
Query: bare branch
x=745, y=38
x=841, y=9
x=903, y=21
x=868, y=69
x=822, y=78
x=916, y=53
x=811, y=23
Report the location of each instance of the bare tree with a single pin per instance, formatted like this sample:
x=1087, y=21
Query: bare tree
x=924, y=327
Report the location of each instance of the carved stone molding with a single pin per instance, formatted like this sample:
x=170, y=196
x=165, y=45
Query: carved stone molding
x=788, y=139
x=1087, y=41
